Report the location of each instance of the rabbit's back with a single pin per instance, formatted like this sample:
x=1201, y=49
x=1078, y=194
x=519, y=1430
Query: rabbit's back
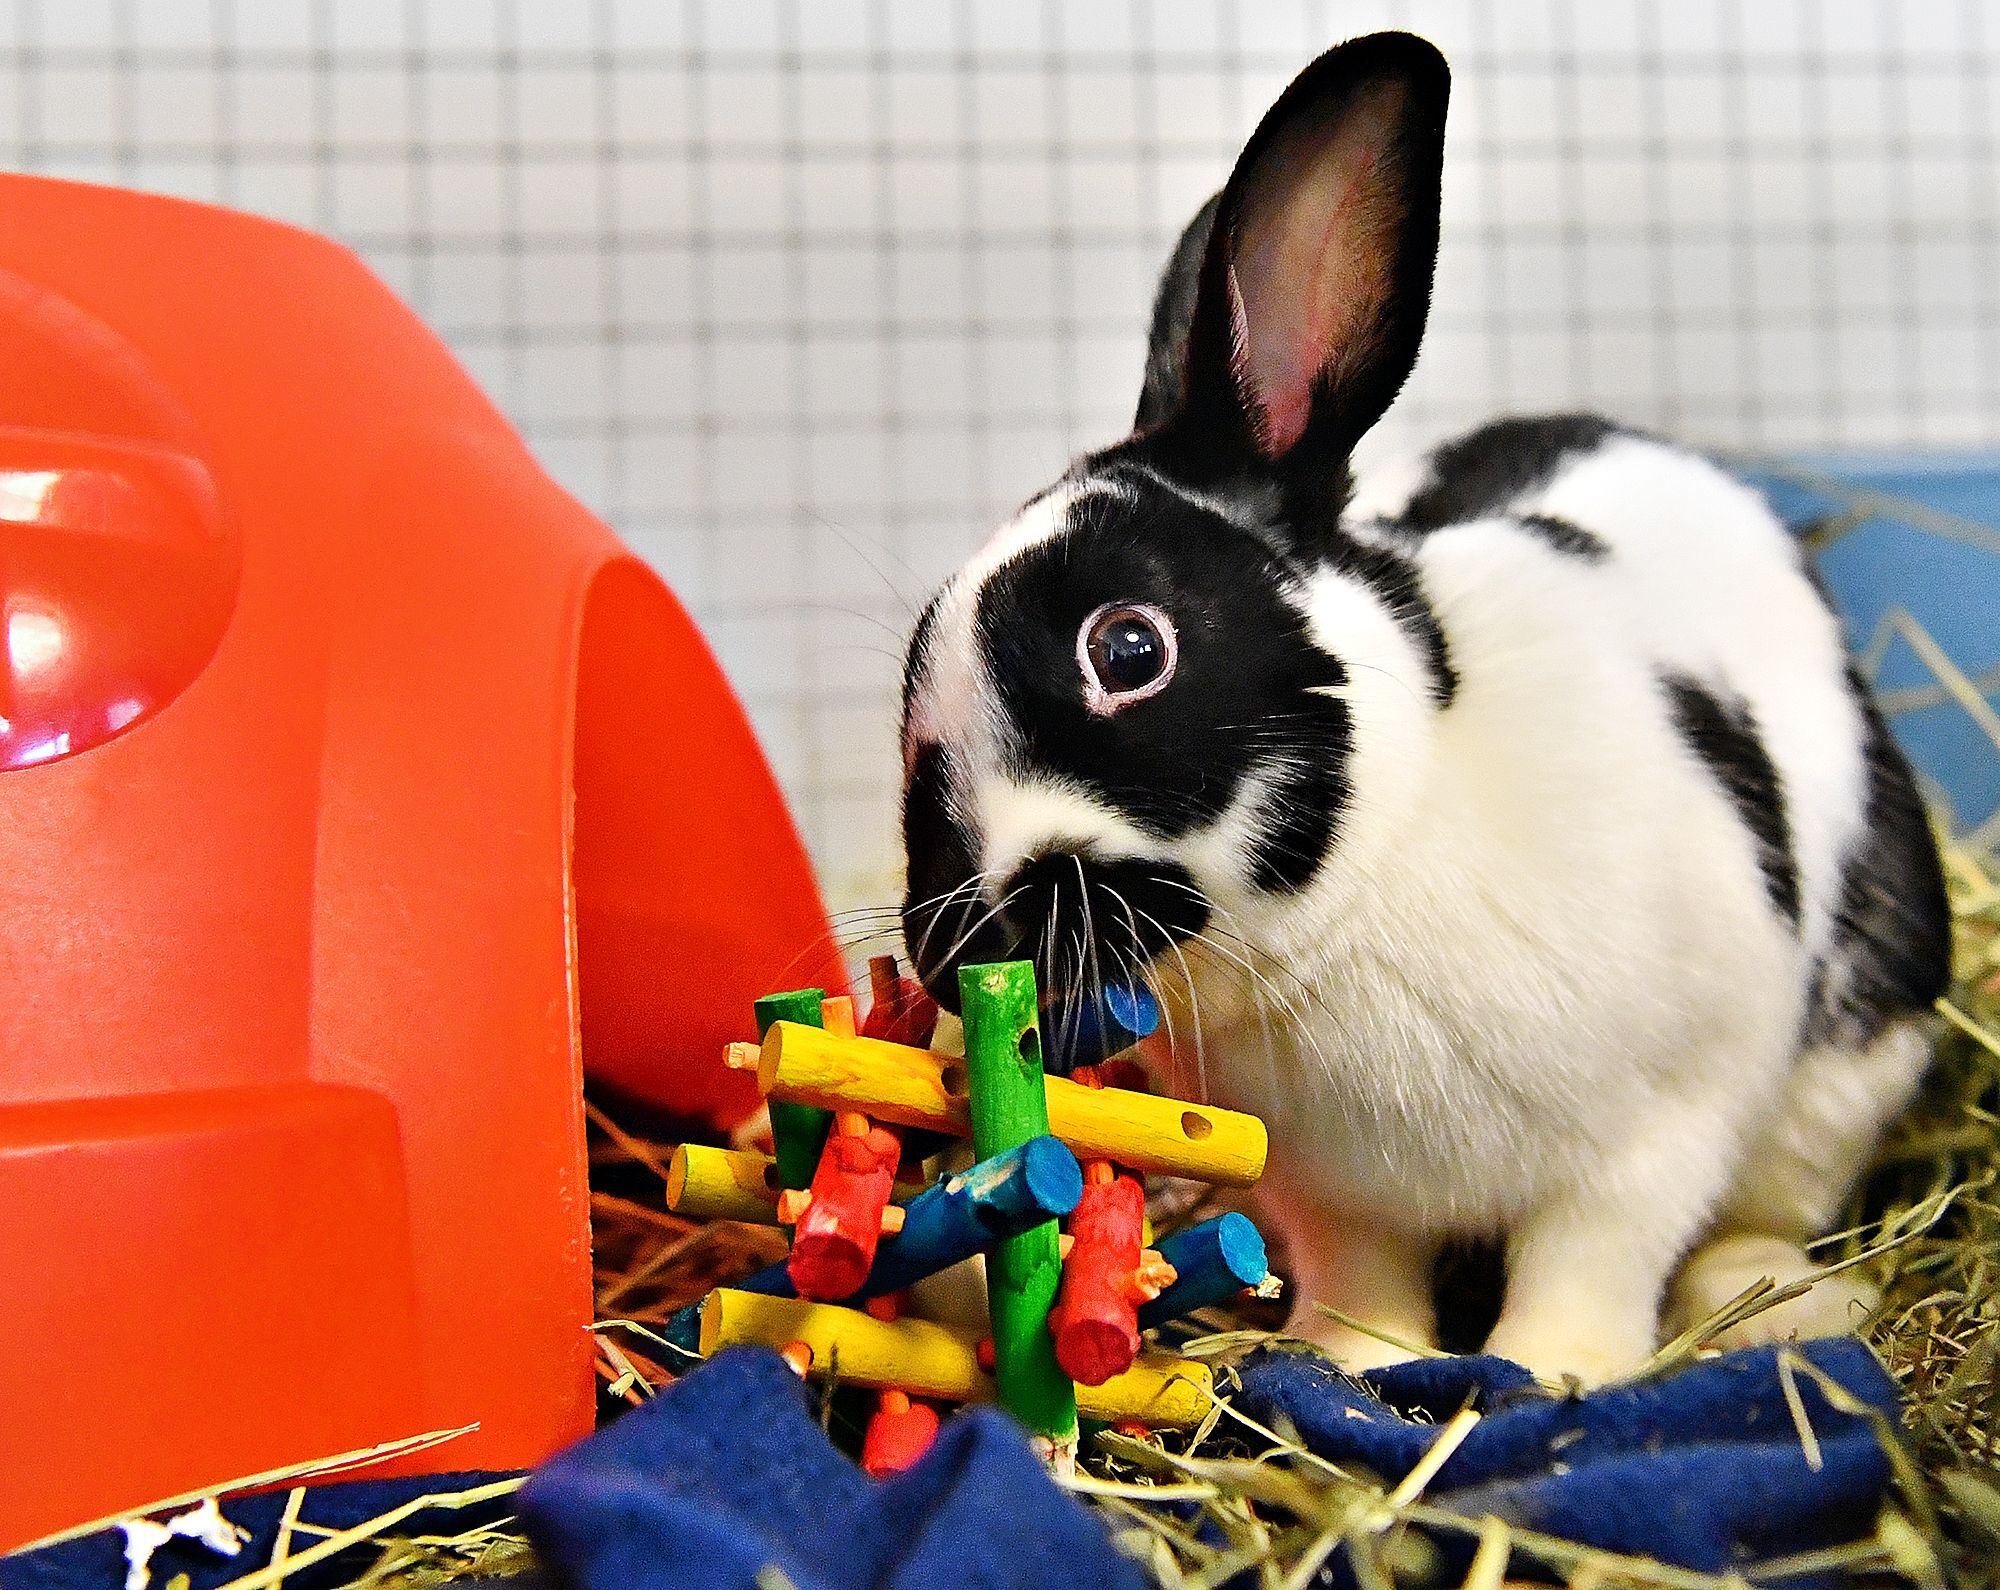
x=1667, y=592
x=1658, y=805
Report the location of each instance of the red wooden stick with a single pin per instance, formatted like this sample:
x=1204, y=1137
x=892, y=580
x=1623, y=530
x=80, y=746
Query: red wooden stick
x=1121, y=1073
x=902, y=1012
x=847, y=1210
x=899, y=1432
x=1095, y=1319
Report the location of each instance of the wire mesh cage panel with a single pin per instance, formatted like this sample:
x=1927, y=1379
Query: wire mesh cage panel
x=802, y=296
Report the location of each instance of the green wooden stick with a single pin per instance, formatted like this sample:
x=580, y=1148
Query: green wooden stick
x=798, y=1131
x=1009, y=1105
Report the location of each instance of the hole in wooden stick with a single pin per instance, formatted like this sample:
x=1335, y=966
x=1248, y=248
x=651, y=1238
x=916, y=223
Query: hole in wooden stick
x=1031, y=1046
x=1196, y=1125
x=953, y=1078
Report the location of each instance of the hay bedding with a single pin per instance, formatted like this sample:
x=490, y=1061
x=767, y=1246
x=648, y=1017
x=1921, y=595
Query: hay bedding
x=1926, y=1229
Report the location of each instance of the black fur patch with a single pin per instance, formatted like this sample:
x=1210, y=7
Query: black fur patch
x=1300, y=812
x=1087, y=920
x=1173, y=316
x=947, y=920
x=1891, y=949
x=1468, y=1285
x=1394, y=578
x=1481, y=473
x=1724, y=735
x=1244, y=695
x=1565, y=537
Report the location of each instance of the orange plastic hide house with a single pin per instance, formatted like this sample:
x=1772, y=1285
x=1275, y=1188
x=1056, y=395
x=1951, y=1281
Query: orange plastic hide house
x=357, y=789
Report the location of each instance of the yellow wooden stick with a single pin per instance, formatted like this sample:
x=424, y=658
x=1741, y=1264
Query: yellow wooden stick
x=722, y=1184
x=706, y=1183
x=914, y=1087
x=927, y=1359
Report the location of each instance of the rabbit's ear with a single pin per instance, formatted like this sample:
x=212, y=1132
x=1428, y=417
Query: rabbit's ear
x=1311, y=297
x=1173, y=314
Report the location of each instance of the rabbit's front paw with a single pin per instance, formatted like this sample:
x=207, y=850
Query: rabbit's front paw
x=1356, y=1350
x=1720, y=1271
x=1581, y=1345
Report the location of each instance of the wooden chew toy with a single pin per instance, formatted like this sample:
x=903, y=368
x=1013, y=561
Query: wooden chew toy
x=846, y=1211
x=899, y=1431
x=1107, y=1271
x=1107, y=1274
x=1095, y=1320
x=706, y=1183
x=900, y=1012
x=836, y=1015
x=913, y=1087
x=1212, y=1263
x=950, y=1221
x=741, y=1184
x=926, y=1359
x=1085, y=1031
x=797, y=1130
x=1009, y=1105
x=1066, y=1310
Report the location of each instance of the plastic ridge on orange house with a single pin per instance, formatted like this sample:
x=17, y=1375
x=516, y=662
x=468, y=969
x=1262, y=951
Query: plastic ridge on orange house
x=358, y=789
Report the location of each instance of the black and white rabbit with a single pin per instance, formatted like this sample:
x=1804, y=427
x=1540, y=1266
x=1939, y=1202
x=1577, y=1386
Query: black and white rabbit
x=1507, y=828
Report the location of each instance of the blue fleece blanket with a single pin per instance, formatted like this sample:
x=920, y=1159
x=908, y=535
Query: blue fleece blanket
x=729, y=1474
x=1705, y=1469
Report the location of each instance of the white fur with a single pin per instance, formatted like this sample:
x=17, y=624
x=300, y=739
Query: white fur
x=1538, y=987
x=1549, y=994
x=956, y=705
x=1023, y=816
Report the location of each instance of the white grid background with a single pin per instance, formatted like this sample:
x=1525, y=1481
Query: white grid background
x=801, y=295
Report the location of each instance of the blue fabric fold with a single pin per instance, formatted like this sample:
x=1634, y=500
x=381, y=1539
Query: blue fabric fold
x=728, y=1474
x=1705, y=1468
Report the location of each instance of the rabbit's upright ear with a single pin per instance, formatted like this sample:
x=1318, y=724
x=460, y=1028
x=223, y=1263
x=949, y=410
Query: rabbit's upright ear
x=1312, y=293
x=1173, y=317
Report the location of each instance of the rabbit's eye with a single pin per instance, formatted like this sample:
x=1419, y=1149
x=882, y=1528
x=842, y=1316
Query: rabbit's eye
x=1127, y=652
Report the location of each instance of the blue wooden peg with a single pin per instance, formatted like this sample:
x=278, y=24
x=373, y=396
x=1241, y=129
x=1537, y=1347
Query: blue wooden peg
x=1215, y=1260
x=1092, y=1027
x=954, y=1218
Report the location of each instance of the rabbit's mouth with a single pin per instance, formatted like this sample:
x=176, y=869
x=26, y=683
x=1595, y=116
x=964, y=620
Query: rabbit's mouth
x=1088, y=923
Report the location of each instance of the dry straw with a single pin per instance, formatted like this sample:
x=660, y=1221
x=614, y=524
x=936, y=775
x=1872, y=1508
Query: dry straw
x=1927, y=1230
x=1931, y=1239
